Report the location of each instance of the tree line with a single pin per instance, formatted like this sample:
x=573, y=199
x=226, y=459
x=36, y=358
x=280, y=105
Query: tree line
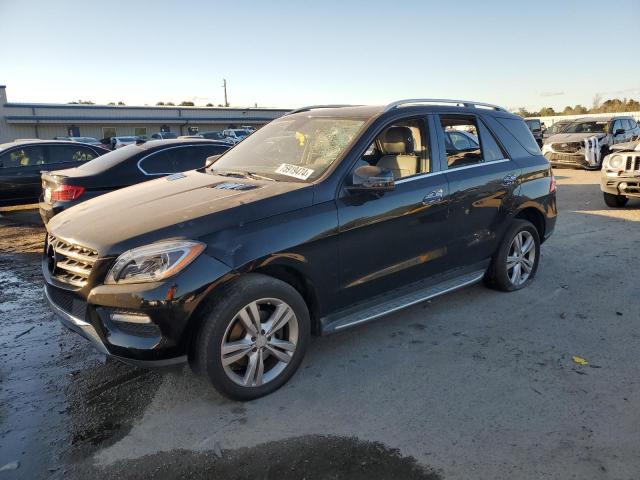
x=613, y=105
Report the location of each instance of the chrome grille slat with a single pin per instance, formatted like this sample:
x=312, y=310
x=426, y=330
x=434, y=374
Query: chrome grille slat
x=632, y=164
x=73, y=262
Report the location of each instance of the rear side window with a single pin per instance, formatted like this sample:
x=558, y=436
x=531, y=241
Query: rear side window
x=521, y=133
x=468, y=141
x=159, y=163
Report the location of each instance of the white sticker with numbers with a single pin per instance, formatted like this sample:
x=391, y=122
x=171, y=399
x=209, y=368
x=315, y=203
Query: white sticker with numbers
x=294, y=171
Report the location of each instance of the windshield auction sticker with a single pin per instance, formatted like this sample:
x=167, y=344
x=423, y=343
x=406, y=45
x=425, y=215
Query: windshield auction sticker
x=294, y=171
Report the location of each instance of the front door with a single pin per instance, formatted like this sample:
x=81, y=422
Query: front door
x=482, y=180
x=390, y=240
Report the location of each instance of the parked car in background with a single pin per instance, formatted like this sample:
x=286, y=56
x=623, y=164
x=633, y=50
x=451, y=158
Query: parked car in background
x=119, y=142
x=557, y=127
x=22, y=161
x=164, y=136
x=460, y=140
x=536, y=129
x=236, y=135
x=248, y=128
x=87, y=140
x=216, y=136
x=620, y=175
x=324, y=219
x=587, y=141
x=120, y=168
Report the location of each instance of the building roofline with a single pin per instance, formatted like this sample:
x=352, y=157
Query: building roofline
x=72, y=119
x=138, y=107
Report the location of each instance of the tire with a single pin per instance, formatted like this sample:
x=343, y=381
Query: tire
x=502, y=277
x=604, y=151
x=230, y=320
x=615, y=201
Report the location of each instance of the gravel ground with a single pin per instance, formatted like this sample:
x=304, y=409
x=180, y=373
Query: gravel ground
x=476, y=384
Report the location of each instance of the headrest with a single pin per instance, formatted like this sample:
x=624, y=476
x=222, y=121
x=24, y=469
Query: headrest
x=397, y=141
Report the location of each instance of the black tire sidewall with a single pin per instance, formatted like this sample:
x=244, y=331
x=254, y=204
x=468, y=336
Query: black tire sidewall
x=243, y=291
x=500, y=274
x=615, y=201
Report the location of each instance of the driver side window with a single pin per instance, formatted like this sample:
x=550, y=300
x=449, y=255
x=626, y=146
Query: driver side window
x=402, y=148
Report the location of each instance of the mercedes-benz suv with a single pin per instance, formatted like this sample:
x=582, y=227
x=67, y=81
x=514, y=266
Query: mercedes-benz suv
x=325, y=219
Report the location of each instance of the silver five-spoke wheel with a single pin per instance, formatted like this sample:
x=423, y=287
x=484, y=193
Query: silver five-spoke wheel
x=521, y=258
x=259, y=342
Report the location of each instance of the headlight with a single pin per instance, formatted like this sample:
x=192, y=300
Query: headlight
x=615, y=162
x=153, y=262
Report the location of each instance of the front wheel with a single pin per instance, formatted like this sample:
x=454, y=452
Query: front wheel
x=253, y=337
x=516, y=261
x=615, y=201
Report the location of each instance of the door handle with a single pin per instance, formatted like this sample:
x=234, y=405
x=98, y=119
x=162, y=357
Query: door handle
x=433, y=197
x=509, y=179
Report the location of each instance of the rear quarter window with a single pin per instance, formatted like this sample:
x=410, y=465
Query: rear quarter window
x=521, y=133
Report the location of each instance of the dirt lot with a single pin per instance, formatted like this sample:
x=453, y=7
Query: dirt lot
x=477, y=384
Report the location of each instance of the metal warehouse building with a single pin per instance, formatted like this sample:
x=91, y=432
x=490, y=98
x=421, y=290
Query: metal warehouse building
x=46, y=120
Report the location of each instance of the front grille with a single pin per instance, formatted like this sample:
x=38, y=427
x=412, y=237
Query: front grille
x=632, y=164
x=565, y=158
x=68, y=302
x=68, y=262
x=567, y=147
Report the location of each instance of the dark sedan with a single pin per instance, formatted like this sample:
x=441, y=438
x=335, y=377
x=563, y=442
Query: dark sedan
x=22, y=161
x=121, y=168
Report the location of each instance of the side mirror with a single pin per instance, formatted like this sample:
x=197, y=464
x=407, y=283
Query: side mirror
x=619, y=131
x=372, y=179
x=211, y=160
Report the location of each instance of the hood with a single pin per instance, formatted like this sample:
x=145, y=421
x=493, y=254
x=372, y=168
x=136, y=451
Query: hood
x=187, y=205
x=573, y=137
x=627, y=146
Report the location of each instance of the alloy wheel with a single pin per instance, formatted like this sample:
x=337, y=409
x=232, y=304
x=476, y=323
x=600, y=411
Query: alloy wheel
x=521, y=258
x=259, y=342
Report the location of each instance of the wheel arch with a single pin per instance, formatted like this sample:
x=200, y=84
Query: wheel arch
x=536, y=217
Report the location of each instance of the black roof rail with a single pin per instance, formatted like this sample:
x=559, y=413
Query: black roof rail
x=464, y=103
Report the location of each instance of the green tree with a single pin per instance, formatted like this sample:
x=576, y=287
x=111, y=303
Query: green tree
x=186, y=103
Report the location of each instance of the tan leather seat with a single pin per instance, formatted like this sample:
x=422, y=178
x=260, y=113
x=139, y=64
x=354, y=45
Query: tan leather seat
x=397, y=144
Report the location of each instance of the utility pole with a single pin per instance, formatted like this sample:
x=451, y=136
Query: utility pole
x=224, y=85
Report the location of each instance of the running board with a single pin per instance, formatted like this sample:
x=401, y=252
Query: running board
x=398, y=301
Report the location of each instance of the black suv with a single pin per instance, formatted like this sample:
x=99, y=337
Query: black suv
x=326, y=218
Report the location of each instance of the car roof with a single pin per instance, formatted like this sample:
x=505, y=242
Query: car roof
x=36, y=141
x=372, y=111
x=178, y=141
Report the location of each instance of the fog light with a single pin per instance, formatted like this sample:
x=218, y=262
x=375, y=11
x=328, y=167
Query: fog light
x=130, y=317
x=623, y=186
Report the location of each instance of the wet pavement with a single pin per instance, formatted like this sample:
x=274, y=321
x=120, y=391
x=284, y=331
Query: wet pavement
x=477, y=384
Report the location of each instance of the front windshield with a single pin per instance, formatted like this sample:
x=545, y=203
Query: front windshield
x=291, y=148
x=587, y=127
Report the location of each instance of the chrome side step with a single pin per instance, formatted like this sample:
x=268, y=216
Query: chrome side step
x=399, y=301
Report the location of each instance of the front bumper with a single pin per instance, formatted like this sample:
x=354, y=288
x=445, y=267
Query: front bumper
x=569, y=160
x=628, y=185
x=167, y=306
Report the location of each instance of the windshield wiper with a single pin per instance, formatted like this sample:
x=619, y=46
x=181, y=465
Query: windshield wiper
x=238, y=174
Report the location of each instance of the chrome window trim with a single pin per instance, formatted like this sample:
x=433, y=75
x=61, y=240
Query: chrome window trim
x=159, y=151
x=425, y=175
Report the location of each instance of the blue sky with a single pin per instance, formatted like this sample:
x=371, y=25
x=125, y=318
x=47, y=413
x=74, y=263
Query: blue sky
x=285, y=53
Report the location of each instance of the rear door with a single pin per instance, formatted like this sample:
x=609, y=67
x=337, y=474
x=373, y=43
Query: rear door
x=390, y=240
x=20, y=174
x=481, y=181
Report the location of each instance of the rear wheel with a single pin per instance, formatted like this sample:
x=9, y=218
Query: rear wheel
x=253, y=338
x=615, y=201
x=516, y=261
